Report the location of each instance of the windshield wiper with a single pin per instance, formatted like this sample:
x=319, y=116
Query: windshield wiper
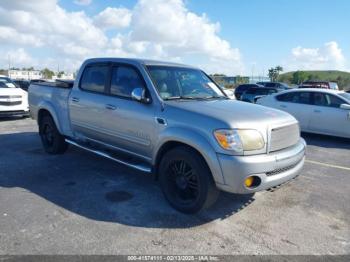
x=194, y=98
x=214, y=97
x=180, y=98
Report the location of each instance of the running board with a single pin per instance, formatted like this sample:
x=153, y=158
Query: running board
x=139, y=167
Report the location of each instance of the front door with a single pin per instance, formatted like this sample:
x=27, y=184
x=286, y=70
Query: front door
x=327, y=116
x=128, y=125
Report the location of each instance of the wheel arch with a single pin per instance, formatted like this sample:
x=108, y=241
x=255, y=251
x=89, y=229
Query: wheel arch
x=193, y=141
x=45, y=110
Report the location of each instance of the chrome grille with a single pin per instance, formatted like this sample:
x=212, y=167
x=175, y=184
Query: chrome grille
x=9, y=97
x=15, y=103
x=283, y=137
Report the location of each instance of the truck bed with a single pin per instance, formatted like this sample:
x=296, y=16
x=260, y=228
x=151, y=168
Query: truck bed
x=52, y=96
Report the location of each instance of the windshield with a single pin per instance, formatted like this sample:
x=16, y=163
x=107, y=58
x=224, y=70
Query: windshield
x=346, y=96
x=183, y=83
x=6, y=83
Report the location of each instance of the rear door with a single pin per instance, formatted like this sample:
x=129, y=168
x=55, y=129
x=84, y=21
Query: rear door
x=87, y=103
x=327, y=116
x=298, y=104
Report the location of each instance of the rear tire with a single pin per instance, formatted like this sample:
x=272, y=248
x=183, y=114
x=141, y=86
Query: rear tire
x=186, y=180
x=53, y=142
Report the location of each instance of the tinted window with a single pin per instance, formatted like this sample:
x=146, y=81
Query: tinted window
x=124, y=80
x=251, y=91
x=322, y=99
x=264, y=91
x=295, y=97
x=270, y=84
x=94, y=78
x=242, y=88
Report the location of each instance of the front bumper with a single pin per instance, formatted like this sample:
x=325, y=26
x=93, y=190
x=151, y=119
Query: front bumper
x=273, y=169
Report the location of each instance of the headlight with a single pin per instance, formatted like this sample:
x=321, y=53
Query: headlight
x=239, y=140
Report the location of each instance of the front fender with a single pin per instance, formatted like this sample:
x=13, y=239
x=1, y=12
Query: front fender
x=194, y=140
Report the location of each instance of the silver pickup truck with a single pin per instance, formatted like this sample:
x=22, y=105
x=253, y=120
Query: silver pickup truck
x=172, y=121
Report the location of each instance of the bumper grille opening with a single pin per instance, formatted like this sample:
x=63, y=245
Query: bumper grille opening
x=281, y=170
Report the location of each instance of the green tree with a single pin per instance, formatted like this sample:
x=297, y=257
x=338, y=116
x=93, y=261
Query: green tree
x=3, y=72
x=60, y=74
x=47, y=73
x=274, y=73
x=299, y=77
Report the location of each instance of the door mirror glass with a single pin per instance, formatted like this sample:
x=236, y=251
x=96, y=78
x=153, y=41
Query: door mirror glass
x=345, y=106
x=139, y=94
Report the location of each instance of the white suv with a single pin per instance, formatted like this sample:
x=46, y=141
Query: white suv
x=13, y=100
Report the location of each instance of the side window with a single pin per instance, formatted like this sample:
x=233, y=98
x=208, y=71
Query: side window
x=303, y=98
x=94, y=78
x=322, y=99
x=124, y=80
x=295, y=97
x=251, y=91
x=285, y=97
x=334, y=101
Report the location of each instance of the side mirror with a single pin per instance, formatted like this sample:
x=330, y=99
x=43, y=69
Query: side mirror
x=139, y=94
x=345, y=106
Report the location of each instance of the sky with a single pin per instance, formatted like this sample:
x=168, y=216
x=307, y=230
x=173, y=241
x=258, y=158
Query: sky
x=226, y=36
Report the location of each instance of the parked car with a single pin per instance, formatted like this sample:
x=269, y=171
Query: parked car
x=253, y=94
x=172, y=121
x=319, y=84
x=239, y=90
x=23, y=84
x=13, y=100
x=279, y=85
x=320, y=111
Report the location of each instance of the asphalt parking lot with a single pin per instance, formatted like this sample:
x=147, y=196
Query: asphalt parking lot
x=79, y=203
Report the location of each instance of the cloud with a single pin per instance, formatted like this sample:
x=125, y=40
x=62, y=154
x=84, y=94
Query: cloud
x=82, y=2
x=113, y=18
x=327, y=57
x=178, y=30
x=155, y=29
x=20, y=56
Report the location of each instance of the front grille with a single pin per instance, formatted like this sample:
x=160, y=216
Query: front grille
x=16, y=103
x=281, y=170
x=9, y=97
x=283, y=137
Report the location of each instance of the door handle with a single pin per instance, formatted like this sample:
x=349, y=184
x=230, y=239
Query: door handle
x=283, y=106
x=111, y=107
x=75, y=99
x=317, y=111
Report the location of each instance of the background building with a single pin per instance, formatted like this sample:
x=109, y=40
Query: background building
x=24, y=74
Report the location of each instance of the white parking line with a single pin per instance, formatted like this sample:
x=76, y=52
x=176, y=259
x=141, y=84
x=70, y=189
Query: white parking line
x=327, y=165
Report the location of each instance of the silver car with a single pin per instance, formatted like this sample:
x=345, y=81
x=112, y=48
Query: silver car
x=321, y=111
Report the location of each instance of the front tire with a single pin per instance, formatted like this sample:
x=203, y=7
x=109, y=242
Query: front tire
x=53, y=142
x=186, y=180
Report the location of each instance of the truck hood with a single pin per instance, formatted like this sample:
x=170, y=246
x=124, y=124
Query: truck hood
x=236, y=114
